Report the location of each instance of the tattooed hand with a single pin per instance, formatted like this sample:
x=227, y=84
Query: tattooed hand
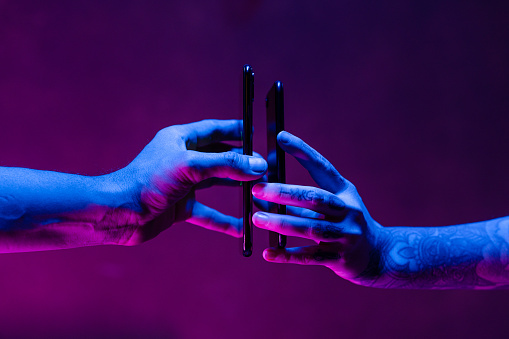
x=357, y=248
x=332, y=215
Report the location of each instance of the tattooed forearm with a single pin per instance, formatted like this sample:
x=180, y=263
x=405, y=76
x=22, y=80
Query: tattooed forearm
x=473, y=256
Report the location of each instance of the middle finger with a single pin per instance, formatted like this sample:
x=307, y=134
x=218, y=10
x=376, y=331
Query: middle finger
x=313, y=229
x=312, y=198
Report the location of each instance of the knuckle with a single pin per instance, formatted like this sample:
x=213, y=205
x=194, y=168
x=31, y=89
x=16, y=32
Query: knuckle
x=328, y=168
x=327, y=165
x=331, y=170
x=177, y=130
x=315, y=231
x=320, y=158
x=300, y=144
x=172, y=133
x=233, y=159
x=334, y=174
x=332, y=231
x=282, y=192
x=190, y=169
x=334, y=203
x=213, y=126
x=188, y=160
x=164, y=133
x=168, y=129
x=326, y=230
x=281, y=224
x=315, y=198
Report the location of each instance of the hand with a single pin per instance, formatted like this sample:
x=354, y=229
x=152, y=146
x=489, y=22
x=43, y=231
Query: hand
x=333, y=216
x=162, y=179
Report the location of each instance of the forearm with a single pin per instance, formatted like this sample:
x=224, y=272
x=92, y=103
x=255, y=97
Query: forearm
x=42, y=210
x=470, y=256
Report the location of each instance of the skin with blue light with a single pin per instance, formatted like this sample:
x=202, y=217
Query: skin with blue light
x=42, y=210
x=357, y=248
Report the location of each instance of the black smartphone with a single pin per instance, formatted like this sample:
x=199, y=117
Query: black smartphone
x=275, y=155
x=247, y=146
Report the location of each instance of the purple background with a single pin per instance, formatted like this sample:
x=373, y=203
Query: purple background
x=408, y=100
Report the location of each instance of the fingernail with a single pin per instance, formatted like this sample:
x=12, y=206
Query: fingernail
x=257, y=164
x=284, y=137
x=257, y=190
x=261, y=219
x=269, y=255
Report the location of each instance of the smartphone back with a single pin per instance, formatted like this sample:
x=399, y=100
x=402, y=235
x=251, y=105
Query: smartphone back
x=247, y=146
x=275, y=155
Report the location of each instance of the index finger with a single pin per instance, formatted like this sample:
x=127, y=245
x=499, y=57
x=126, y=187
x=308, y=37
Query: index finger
x=214, y=220
x=321, y=170
x=210, y=131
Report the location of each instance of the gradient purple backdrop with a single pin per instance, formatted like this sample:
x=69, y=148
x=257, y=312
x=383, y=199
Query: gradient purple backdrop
x=408, y=100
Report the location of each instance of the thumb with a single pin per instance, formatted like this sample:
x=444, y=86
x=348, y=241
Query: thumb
x=200, y=166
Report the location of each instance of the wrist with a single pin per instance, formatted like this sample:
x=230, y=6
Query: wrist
x=116, y=194
x=116, y=190
x=375, y=273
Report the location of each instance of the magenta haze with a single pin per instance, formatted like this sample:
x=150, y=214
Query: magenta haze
x=407, y=100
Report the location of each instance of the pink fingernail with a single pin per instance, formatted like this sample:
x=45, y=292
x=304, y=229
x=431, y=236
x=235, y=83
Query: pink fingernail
x=269, y=255
x=260, y=219
x=257, y=190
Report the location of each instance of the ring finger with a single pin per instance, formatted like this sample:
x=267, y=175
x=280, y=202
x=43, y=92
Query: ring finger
x=314, y=229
